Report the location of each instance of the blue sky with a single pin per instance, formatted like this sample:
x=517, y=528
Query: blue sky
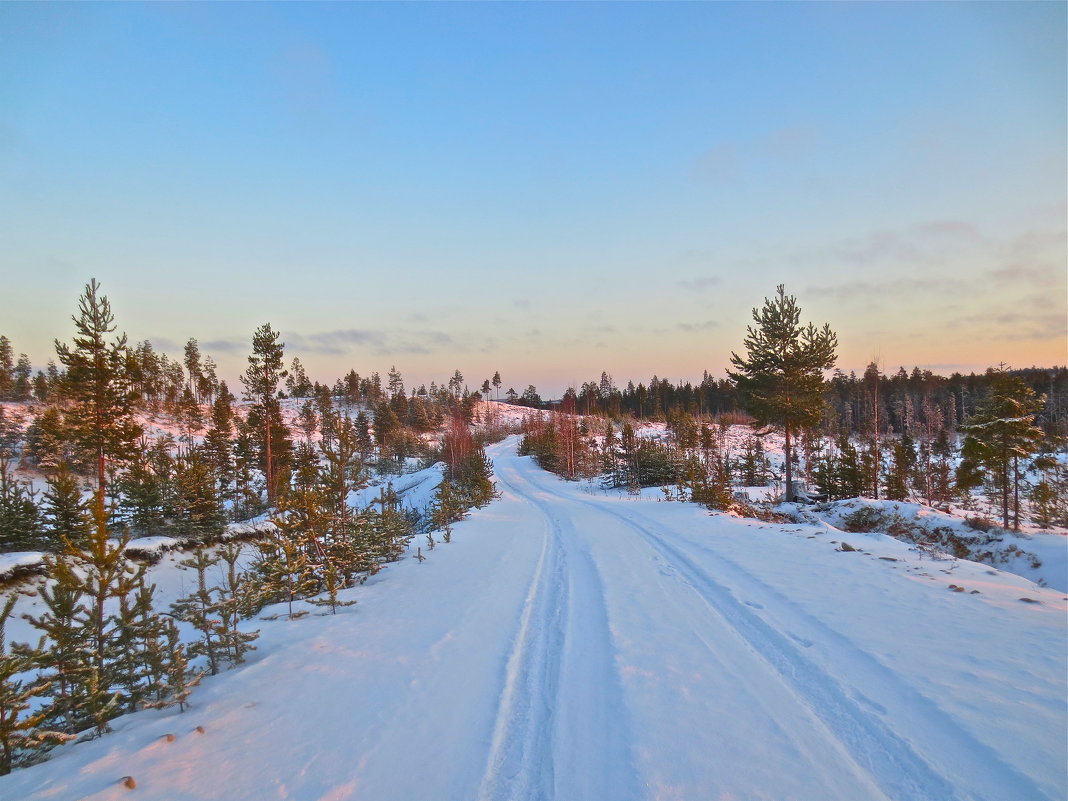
x=548, y=190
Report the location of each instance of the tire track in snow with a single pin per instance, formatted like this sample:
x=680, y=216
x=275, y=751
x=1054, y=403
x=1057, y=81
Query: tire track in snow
x=520, y=763
x=988, y=775
x=563, y=641
x=895, y=766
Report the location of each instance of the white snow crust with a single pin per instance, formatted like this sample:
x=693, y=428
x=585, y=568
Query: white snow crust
x=576, y=645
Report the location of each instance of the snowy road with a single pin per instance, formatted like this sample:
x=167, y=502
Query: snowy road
x=578, y=647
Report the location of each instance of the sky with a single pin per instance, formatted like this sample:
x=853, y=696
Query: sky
x=545, y=190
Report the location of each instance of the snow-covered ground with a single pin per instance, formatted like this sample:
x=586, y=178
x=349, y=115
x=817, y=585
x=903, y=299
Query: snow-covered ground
x=574, y=645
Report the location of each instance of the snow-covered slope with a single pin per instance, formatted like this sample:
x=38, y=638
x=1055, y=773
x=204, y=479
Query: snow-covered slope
x=577, y=646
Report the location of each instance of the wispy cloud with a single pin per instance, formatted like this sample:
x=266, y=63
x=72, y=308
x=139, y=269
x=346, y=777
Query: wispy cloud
x=333, y=343
x=787, y=143
x=699, y=283
x=1044, y=276
x=1015, y=325
x=230, y=345
x=719, y=164
x=727, y=162
x=926, y=244
x=695, y=327
x=874, y=290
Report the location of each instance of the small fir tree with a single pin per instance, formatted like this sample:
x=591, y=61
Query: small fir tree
x=231, y=603
x=20, y=523
x=200, y=609
x=64, y=511
x=23, y=736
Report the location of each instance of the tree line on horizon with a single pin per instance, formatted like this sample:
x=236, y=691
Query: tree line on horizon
x=227, y=459
x=893, y=437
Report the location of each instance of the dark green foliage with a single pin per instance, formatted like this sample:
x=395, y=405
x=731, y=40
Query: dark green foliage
x=200, y=610
x=47, y=444
x=261, y=387
x=178, y=679
x=896, y=482
x=7, y=370
x=94, y=674
x=941, y=479
x=99, y=419
x=140, y=652
x=247, y=495
x=231, y=601
x=23, y=735
x=20, y=520
x=997, y=436
x=864, y=520
x=219, y=441
x=284, y=571
x=752, y=465
x=781, y=378
x=197, y=508
x=706, y=481
x=64, y=512
x=146, y=489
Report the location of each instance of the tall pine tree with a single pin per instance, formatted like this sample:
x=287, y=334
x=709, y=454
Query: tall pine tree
x=781, y=377
x=100, y=416
x=261, y=380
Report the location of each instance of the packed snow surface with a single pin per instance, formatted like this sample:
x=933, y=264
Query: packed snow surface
x=579, y=646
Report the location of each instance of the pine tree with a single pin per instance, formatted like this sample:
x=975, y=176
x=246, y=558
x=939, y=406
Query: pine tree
x=998, y=435
x=100, y=417
x=22, y=736
x=896, y=483
x=752, y=467
x=23, y=381
x=140, y=661
x=231, y=602
x=193, y=368
x=190, y=418
x=146, y=488
x=178, y=677
x=198, y=509
x=941, y=469
x=297, y=381
x=261, y=387
x=47, y=444
x=7, y=370
x=95, y=575
x=20, y=524
x=781, y=378
x=283, y=571
x=850, y=470
x=292, y=557
x=201, y=610
x=445, y=508
x=61, y=663
x=218, y=442
x=64, y=512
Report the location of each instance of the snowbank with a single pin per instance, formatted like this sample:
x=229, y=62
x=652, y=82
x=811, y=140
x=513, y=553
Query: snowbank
x=1041, y=557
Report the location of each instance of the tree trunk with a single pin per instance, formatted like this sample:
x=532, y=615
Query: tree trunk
x=267, y=430
x=1005, y=490
x=1016, y=493
x=789, y=468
